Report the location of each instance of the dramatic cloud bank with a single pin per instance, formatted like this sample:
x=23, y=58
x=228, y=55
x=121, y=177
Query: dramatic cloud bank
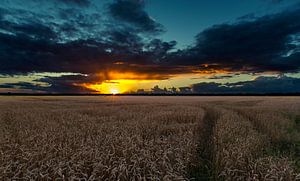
x=261, y=85
x=268, y=43
x=76, y=38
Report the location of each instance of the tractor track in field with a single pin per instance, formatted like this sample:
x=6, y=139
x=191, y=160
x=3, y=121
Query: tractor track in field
x=204, y=170
x=207, y=168
x=289, y=149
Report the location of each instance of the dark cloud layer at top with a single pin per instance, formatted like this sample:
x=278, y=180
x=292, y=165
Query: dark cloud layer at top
x=269, y=43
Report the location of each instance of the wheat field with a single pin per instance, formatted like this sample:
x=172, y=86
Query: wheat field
x=149, y=138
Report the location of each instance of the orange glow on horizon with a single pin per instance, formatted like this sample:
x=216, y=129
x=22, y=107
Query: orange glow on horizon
x=115, y=82
x=115, y=75
x=211, y=72
x=116, y=86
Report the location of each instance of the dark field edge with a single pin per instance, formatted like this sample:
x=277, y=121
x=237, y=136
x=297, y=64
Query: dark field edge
x=217, y=94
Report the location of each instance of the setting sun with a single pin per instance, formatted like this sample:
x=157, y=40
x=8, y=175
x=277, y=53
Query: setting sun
x=114, y=91
x=120, y=83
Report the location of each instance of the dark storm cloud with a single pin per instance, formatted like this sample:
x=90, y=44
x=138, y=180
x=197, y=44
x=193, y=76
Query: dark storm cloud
x=20, y=85
x=259, y=85
x=132, y=11
x=75, y=45
x=33, y=29
x=63, y=84
x=53, y=88
x=36, y=55
x=63, y=25
x=35, y=47
x=262, y=44
x=84, y=56
x=71, y=79
x=67, y=83
x=159, y=49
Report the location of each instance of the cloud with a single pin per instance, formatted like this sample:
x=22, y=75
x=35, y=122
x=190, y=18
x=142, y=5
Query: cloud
x=33, y=29
x=221, y=77
x=261, y=44
x=260, y=85
x=132, y=12
x=67, y=83
x=24, y=54
x=20, y=85
x=63, y=84
x=68, y=41
x=34, y=46
x=60, y=23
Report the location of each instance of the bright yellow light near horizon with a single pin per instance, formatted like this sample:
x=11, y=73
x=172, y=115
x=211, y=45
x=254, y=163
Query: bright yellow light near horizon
x=120, y=83
x=117, y=86
x=114, y=91
x=121, y=86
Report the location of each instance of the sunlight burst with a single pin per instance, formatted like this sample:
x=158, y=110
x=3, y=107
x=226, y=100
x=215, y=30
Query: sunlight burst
x=114, y=91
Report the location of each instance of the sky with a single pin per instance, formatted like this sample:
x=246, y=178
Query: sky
x=126, y=46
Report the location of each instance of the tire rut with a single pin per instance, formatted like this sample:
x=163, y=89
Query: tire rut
x=204, y=170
